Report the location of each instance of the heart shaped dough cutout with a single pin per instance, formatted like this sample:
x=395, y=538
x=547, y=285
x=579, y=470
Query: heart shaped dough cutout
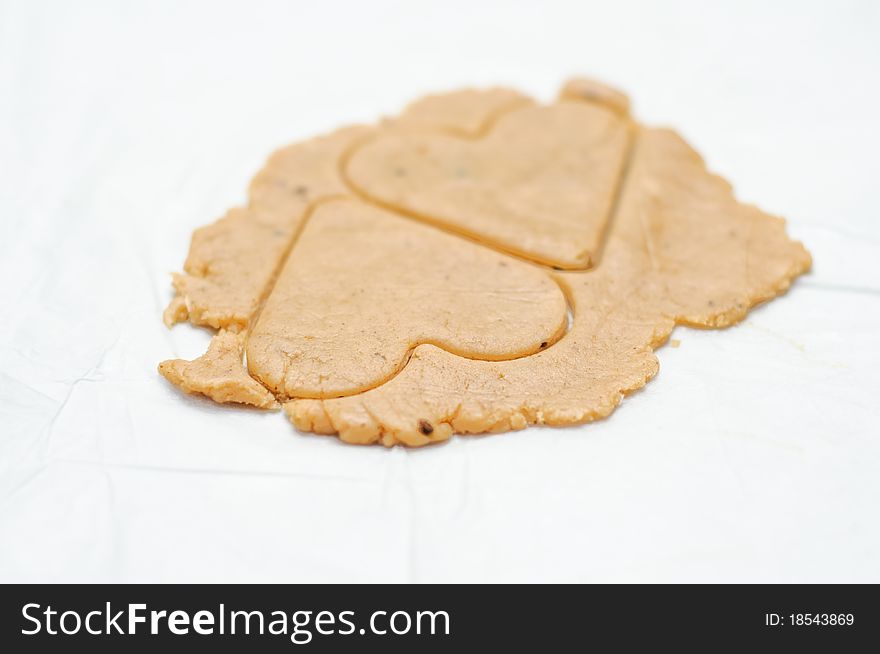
x=540, y=184
x=363, y=286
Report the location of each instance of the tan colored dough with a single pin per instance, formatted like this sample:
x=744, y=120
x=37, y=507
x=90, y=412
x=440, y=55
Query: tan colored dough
x=355, y=277
x=681, y=250
x=219, y=374
x=232, y=261
x=363, y=286
x=466, y=113
x=541, y=183
x=589, y=90
x=304, y=173
x=229, y=264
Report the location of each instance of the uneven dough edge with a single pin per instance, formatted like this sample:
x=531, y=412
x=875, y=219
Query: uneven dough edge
x=219, y=374
x=232, y=261
x=353, y=422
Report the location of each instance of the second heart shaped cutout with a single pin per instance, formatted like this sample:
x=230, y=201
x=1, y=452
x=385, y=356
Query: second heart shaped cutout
x=540, y=184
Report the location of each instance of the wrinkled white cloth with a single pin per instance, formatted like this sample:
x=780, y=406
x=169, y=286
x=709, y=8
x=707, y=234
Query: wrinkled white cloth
x=753, y=456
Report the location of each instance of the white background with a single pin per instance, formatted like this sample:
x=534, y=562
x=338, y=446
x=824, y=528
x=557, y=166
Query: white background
x=753, y=456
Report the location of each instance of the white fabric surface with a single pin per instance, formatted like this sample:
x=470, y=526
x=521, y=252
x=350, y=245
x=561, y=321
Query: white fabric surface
x=753, y=456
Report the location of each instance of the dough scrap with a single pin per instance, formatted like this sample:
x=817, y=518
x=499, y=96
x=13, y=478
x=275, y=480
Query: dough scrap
x=670, y=246
x=364, y=286
x=219, y=374
x=541, y=183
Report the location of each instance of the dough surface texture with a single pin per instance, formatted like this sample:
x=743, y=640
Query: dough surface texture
x=478, y=264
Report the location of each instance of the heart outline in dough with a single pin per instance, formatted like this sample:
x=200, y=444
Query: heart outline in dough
x=540, y=183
